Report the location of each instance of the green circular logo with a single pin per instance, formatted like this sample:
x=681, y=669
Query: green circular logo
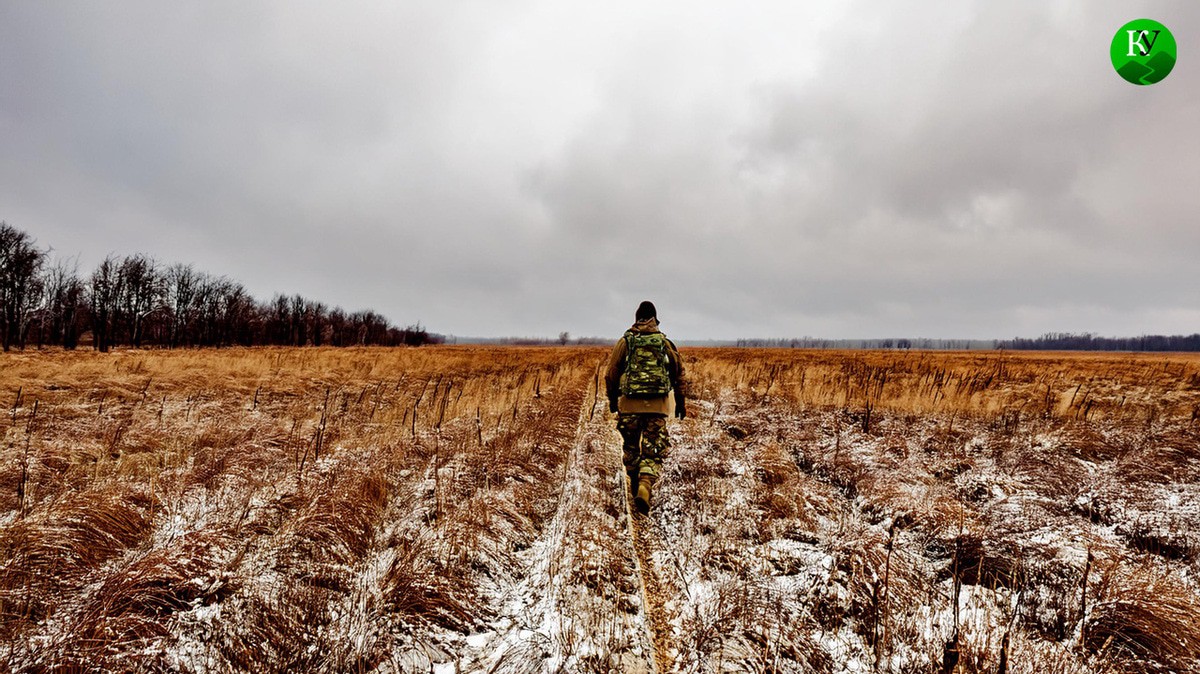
x=1143, y=51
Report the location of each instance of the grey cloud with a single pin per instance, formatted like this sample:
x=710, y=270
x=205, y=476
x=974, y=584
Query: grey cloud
x=864, y=169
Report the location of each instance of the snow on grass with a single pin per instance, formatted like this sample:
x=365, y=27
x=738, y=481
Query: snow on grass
x=443, y=511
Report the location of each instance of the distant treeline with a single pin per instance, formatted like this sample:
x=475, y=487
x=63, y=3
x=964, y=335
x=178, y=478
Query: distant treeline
x=563, y=339
x=1066, y=341
x=895, y=343
x=1056, y=341
x=135, y=301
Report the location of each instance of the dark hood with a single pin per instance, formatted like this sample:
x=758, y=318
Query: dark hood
x=648, y=325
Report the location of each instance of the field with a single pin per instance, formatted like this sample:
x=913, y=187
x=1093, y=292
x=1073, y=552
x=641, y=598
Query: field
x=463, y=510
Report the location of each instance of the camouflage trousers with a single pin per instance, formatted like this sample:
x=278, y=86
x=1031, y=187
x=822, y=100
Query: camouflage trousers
x=645, y=442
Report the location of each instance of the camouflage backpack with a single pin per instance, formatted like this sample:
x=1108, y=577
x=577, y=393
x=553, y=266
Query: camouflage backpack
x=646, y=374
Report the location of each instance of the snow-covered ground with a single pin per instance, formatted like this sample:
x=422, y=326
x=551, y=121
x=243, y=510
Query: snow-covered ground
x=465, y=511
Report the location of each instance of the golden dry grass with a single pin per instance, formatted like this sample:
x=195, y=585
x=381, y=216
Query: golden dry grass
x=342, y=508
x=891, y=487
x=999, y=385
x=141, y=486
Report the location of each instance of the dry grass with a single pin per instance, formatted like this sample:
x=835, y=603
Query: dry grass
x=1004, y=386
x=385, y=510
x=957, y=500
x=290, y=488
x=1146, y=617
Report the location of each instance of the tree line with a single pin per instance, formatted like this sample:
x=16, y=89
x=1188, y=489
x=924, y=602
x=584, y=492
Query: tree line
x=135, y=301
x=886, y=343
x=1066, y=341
x=1054, y=341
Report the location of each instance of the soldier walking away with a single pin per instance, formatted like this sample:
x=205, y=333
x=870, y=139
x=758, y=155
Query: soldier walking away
x=644, y=382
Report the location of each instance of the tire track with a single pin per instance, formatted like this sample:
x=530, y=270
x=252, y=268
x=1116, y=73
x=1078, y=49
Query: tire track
x=657, y=626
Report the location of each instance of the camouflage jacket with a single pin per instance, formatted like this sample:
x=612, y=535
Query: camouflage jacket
x=616, y=368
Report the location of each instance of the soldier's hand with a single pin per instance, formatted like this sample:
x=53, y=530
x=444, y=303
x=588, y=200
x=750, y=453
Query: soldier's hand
x=680, y=408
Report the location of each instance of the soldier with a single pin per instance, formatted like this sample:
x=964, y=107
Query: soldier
x=644, y=382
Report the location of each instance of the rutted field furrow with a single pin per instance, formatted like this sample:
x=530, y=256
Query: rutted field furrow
x=462, y=509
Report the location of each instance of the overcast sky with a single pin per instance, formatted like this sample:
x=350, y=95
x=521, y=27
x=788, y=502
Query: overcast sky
x=508, y=167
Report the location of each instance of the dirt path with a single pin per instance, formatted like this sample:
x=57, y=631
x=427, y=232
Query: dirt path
x=641, y=530
x=581, y=605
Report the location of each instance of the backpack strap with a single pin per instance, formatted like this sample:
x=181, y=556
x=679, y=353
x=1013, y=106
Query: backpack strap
x=671, y=364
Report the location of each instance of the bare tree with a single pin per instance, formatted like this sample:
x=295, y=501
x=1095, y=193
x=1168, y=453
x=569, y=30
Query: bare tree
x=209, y=309
x=20, y=284
x=315, y=316
x=236, y=309
x=182, y=284
x=64, y=306
x=337, y=327
x=104, y=291
x=277, y=320
x=141, y=294
x=296, y=320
